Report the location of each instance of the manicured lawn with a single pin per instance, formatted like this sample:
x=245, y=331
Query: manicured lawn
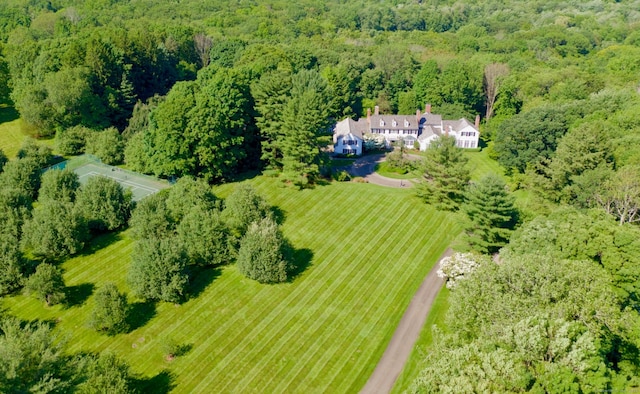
x=413, y=366
x=384, y=170
x=481, y=164
x=11, y=136
x=323, y=332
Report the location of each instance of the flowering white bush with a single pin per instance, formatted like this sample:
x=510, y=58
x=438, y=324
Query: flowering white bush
x=455, y=267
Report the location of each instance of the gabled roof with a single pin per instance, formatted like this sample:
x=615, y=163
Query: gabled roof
x=428, y=132
x=399, y=119
x=349, y=126
x=457, y=125
x=432, y=119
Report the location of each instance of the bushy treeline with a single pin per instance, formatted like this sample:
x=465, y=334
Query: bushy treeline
x=187, y=229
x=49, y=216
x=35, y=359
x=266, y=81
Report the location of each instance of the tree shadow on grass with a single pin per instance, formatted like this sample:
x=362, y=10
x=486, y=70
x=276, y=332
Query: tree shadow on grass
x=299, y=260
x=201, y=278
x=162, y=383
x=278, y=214
x=8, y=114
x=139, y=314
x=78, y=294
x=100, y=242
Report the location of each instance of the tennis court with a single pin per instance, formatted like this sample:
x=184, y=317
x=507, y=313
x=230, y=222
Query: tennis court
x=140, y=185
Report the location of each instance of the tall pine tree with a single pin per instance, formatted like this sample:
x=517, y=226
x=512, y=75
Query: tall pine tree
x=445, y=174
x=492, y=214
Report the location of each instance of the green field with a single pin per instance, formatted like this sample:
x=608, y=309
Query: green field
x=11, y=136
x=368, y=248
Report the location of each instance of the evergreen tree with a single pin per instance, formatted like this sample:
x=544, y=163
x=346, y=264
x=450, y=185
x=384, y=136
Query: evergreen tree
x=271, y=94
x=492, y=215
x=46, y=284
x=261, y=253
x=110, y=310
x=445, y=174
x=306, y=128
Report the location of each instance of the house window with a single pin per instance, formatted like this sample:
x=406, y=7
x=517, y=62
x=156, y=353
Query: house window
x=406, y=123
x=350, y=142
x=348, y=151
x=394, y=123
x=381, y=122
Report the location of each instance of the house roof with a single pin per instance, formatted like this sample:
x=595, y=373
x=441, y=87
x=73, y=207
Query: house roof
x=412, y=122
x=349, y=126
x=428, y=132
x=432, y=119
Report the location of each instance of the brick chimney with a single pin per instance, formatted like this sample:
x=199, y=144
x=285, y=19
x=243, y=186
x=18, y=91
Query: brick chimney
x=376, y=110
x=478, y=122
x=369, y=117
x=427, y=108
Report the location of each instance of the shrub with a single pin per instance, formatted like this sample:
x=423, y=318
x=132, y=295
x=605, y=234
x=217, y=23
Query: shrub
x=261, y=253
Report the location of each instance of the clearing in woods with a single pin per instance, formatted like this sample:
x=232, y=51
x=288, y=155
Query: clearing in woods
x=365, y=251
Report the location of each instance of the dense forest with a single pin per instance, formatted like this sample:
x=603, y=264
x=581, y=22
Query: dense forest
x=214, y=89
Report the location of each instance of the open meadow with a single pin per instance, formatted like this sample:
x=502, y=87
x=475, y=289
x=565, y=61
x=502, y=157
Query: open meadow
x=367, y=250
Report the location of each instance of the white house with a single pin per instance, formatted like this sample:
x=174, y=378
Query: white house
x=420, y=128
x=347, y=137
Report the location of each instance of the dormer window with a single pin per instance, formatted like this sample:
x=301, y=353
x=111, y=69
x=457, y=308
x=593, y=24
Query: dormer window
x=381, y=122
x=406, y=123
x=394, y=123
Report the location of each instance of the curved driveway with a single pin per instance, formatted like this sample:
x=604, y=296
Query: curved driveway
x=365, y=167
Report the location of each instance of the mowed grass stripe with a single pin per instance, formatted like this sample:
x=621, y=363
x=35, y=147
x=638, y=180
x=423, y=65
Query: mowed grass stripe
x=323, y=318
x=283, y=337
x=328, y=294
x=386, y=303
x=299, y=336
x=336, y=319
x=275, y=314
x=347, y=324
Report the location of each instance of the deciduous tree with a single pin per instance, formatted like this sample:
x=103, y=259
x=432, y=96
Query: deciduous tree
x=59, y=185
x=110, y=310
x=243, y=207
x=261, y=253
x=56, y=230
x=107, y=145
x=157, y=270
x=46, y=284
x=104, y=203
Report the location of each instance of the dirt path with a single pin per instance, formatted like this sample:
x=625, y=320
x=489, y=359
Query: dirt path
x=406, y=334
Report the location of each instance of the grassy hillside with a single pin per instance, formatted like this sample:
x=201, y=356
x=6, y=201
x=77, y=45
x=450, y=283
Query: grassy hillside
x=368, y=249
